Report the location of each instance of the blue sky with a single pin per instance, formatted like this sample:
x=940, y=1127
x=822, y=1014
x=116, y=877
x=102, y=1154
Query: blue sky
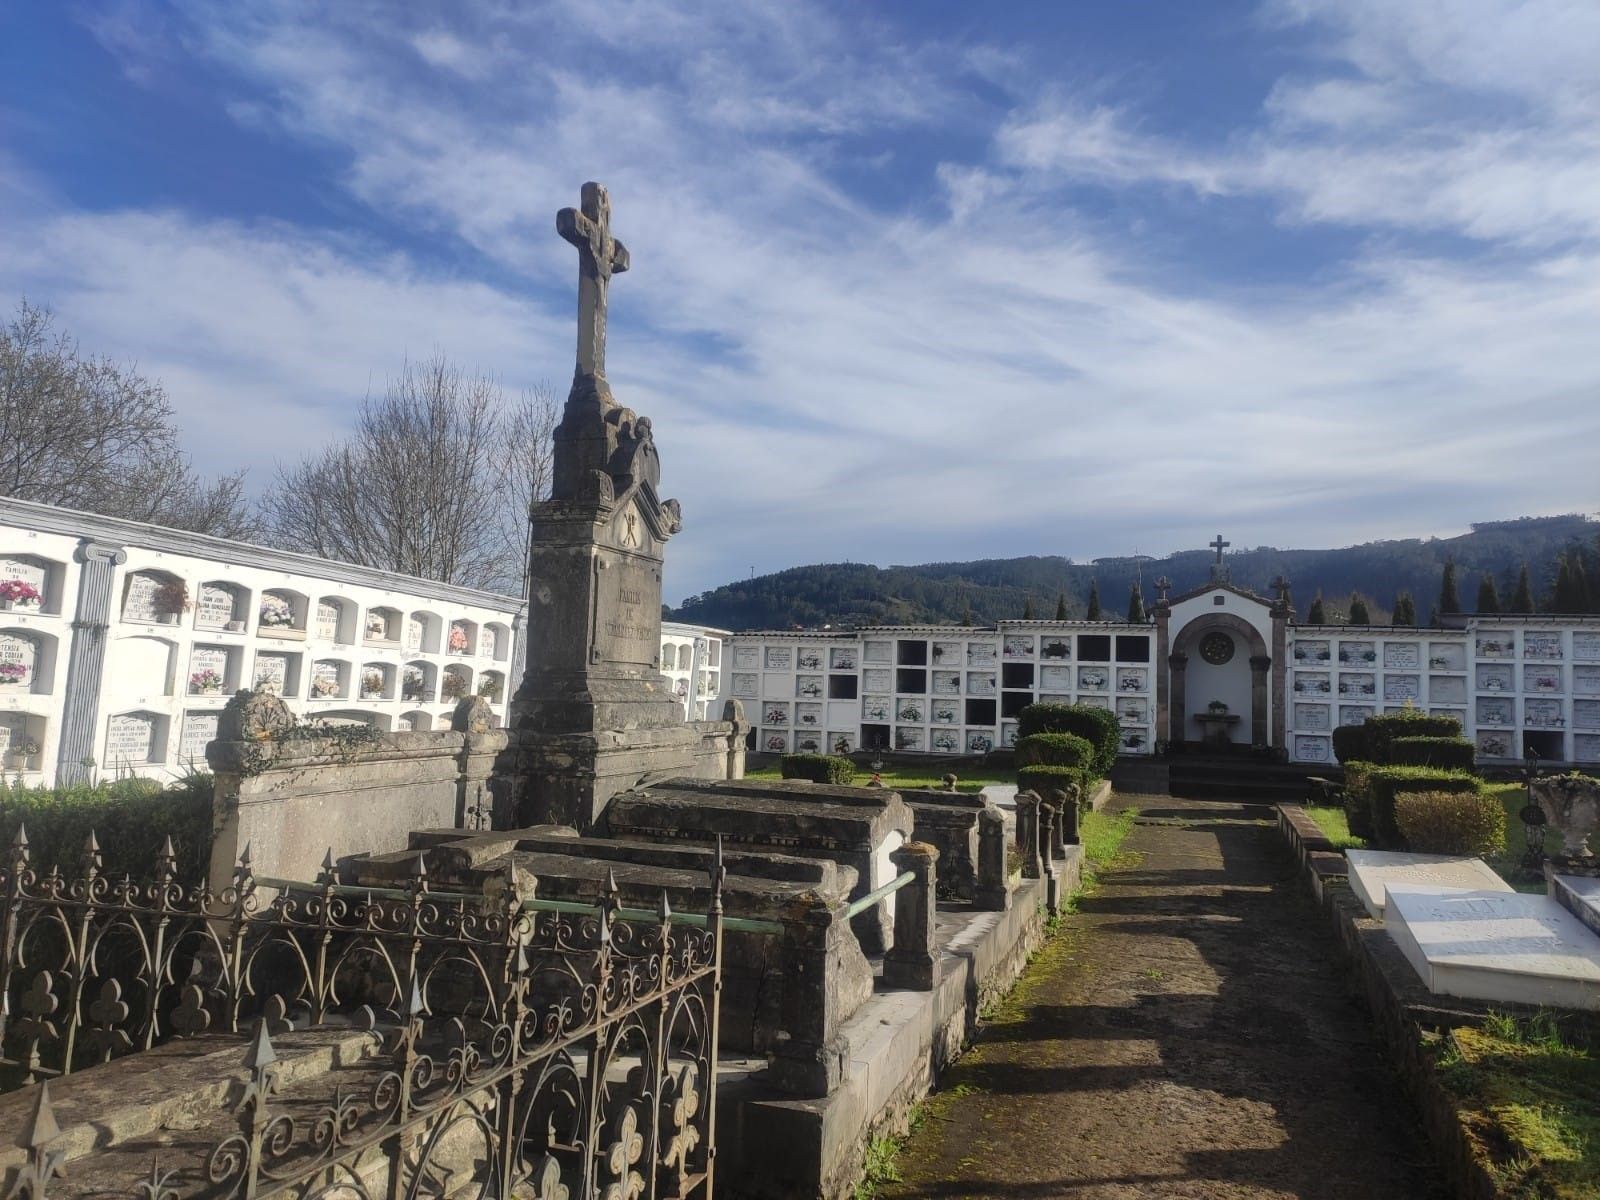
x=910, y=281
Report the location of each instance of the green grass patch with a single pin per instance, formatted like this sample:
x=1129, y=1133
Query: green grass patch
x=1508, y=864
x=1102, y=834
x=1529, y=1102
x=1335, y=827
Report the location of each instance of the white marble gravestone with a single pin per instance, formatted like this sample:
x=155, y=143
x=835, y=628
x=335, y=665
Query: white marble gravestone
x=272, y=673
x=214, y=606
x=140, y=602
x=205, y=662
x=198, y=729
x=13, y=731
x=413, y=634
x=327, y=627
x=1505, y=947
x=1371, y=871
x=129, y=738
x=26, y=571
x=19, y=657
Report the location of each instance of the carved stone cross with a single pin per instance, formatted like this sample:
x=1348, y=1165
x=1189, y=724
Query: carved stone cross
x=600, y=256
x=1219, y=546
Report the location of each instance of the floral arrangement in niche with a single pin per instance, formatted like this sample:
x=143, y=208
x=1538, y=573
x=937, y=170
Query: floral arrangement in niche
x=458, y=638
x=19, y=592
x=453, y=686
x=205, y=682
x=275, y=612
x=777, y=742
x=414, y=686
x=489, y=688
x=171, y=599
x=266, y=683
x=371, y=684
x=12, y=672
x=324, y=685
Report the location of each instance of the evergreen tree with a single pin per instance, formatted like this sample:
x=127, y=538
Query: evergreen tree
x=1317, y=614
x=1562, y=599
x=1449, y=600
x=1522, y=599
x=1405, y=610
x=1093, y=612
x=968, y=618
x=1061, y=606
x=1136, y=613
x=1488, y=597
x=1027, y=608
x=1582, y=584
x=1359, y=614
x=1433, y=617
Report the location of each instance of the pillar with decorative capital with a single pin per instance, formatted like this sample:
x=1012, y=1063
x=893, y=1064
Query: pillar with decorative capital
x=86, y=663
x=992, y=893
x=913, y=961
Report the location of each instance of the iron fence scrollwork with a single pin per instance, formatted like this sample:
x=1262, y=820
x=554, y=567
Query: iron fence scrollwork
x=535, y=1054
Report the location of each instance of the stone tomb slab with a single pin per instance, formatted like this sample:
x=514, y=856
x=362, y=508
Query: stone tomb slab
x=1579, y=895
x=1504, y=947
x=1371, y=871
x=855, y=827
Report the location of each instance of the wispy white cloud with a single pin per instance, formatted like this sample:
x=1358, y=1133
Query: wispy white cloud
x=959, y=359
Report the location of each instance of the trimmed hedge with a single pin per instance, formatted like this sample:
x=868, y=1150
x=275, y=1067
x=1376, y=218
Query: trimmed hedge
x=1098, y=726
x=1451, y=822
x=1350, y=745
x=1450, y=753
x=1372, y=740
x=818, y=768
x=131, y=818
x=1357, y=804
x=1046, y=779
x=1055, y=750
x=1384, y=784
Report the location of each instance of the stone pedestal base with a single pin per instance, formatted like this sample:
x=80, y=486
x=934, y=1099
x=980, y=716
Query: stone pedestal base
x=568, y=779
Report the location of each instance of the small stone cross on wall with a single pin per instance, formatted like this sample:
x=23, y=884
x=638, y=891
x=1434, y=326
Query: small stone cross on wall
x=600, y=256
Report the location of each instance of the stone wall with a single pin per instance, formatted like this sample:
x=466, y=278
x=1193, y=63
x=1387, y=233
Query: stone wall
x=292, y=799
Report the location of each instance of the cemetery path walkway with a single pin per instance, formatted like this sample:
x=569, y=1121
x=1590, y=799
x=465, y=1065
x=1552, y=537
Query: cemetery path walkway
x=1187, y=1035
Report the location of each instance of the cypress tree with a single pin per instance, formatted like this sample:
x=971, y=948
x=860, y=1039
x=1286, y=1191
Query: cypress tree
x=1061, y=606
x=1582, y=586
x=1488, y=597
x=1027, y=608
x=1093, y=612
x=1449, y=600
x=967, y=616
x=1317, y=614
x=1522, y=600
x=1359, y=615
x=1136, y=613
x=1405, y=610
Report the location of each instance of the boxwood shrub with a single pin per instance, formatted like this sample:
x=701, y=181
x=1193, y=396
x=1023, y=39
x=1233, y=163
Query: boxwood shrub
x=131, y=818
x=1434, y=822
x=1056, y=750
x=1046, y=779
x=1383, y=784
x=1452, y=753
x=818, y=768
x=1357, y=801
x=1371, y=741
x=1098, y=726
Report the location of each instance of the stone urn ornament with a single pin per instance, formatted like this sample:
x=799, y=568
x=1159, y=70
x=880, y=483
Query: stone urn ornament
x=1571, y=803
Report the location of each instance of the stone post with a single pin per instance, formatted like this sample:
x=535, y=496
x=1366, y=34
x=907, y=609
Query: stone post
x=992, y=893
x=1052, y=880
x=1028, y=828
x=913, y=961
x=810, y=1056
x=86, y=662
x=1066, y=833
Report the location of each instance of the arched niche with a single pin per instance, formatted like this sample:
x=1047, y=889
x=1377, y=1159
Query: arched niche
x=134, y=739
x=277, y=671
x=423, y=632
x=335, y=621
x=330, y=680
x=492, y=686
x=382, y=625
x=415, y=721
x=30, y=583
x=27, y=662
x=494, y=641
x=353, y=716
x=146, y=666
x=213, y=670
x=22, y=742
x=376, y=682
x=219, y=604
x=418, y=682
x=282, y=613
x=456, y=682
x=154, y=597
x=462, y=637
x=685, y=657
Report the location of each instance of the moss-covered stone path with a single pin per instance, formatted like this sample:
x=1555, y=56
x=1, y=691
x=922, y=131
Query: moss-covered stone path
x=1187, y=1035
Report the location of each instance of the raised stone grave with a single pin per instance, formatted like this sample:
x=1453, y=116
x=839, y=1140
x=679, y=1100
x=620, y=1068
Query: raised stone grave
x=1504, y=947
x=1371, y=871
x=856, y=827
x=1579, y=895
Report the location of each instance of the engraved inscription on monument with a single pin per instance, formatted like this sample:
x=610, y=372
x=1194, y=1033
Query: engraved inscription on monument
x=627, y=597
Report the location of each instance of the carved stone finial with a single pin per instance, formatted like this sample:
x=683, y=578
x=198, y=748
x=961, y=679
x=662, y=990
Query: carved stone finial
x=472, y=715
x=254, y=717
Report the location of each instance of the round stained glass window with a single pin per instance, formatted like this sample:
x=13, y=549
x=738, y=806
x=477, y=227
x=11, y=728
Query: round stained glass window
x=1216, y=648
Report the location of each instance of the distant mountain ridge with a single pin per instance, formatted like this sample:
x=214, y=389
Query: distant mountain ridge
x=848, y=594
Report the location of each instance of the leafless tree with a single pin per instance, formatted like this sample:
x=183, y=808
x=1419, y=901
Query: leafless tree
x=88, y=433
x=435, y=481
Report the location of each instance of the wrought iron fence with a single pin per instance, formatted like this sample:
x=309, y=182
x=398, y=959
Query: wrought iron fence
x=547, y=1055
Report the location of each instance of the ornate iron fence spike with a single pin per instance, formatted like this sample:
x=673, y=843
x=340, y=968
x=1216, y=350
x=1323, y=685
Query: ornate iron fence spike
x=42, y=1128
x=244, y=857
x=91, y=850
x=414, y=1005
x=19, y=842
x=326, y=876
x=611, y=883
x=260, y=1055
x=169, y=856
x=664, y=909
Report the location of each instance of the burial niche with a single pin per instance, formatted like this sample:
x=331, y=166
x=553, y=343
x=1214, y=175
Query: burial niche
x=382, y=625
x=330, y=679
x=27, y=661
x=154, y=598
x=281, y=614
x=134, y=739
x=422, y=632
x=416, y=682
x=219, y=605
x=21, y=741
x=336, y=620
x=29, y=584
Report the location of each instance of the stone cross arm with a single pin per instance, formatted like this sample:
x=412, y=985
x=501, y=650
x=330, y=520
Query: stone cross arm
x=600, y=256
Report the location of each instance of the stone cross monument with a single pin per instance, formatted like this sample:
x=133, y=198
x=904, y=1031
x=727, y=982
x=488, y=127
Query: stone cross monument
x=593, y=715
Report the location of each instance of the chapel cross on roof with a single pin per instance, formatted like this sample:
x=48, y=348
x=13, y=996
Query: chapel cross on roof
x=600, y=256
x=1219, y=546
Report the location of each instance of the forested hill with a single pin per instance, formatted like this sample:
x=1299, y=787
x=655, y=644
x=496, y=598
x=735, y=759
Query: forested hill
x=994, y=589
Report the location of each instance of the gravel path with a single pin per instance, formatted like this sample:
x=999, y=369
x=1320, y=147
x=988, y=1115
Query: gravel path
x=1187, y=1036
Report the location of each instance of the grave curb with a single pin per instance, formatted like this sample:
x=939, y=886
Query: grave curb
x=1407, y=1016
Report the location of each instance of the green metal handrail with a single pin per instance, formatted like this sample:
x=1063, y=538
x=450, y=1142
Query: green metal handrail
x=894, y=885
